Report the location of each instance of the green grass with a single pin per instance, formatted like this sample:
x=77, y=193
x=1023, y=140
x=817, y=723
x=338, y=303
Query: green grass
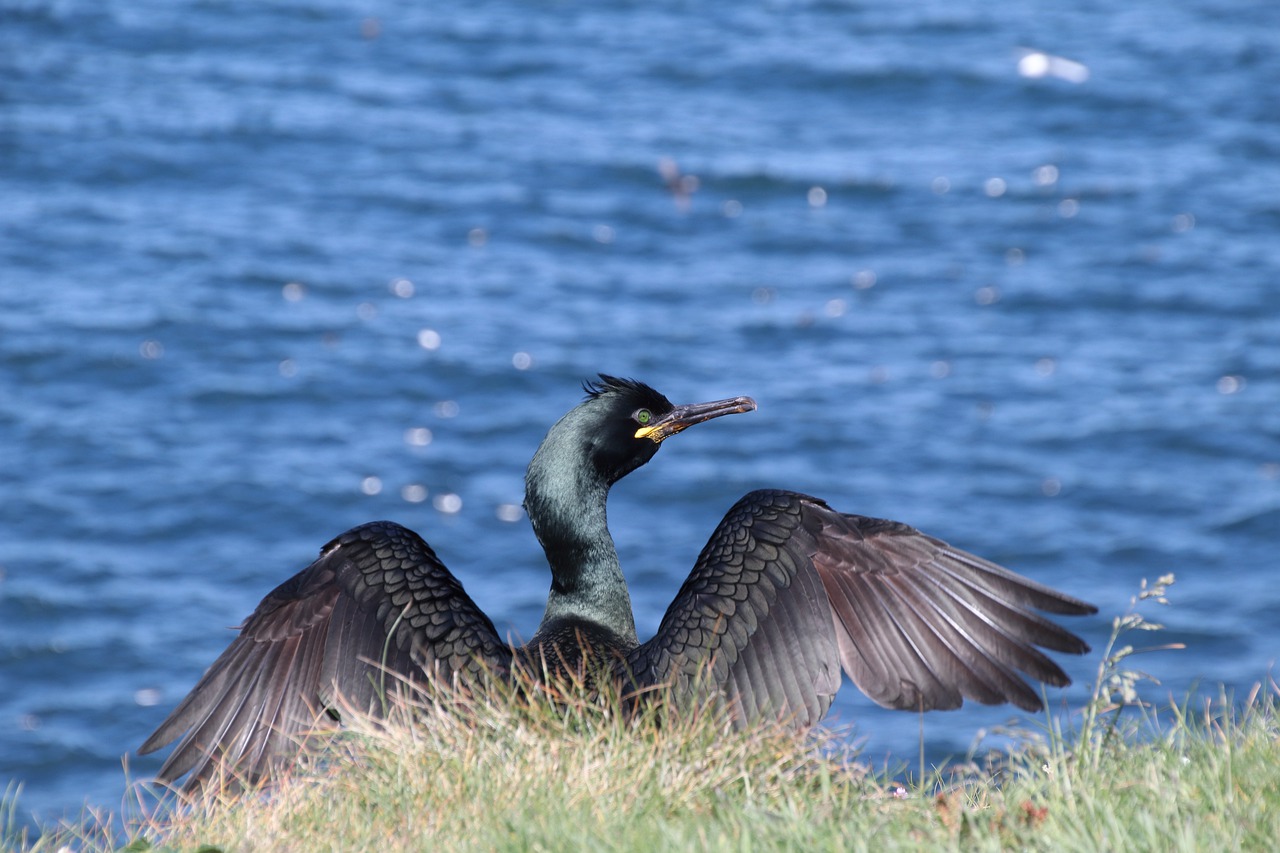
x=533, y=774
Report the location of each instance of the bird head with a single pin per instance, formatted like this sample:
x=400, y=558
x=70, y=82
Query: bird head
x=624, y=422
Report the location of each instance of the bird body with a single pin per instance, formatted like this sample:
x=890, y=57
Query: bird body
x=786, y=594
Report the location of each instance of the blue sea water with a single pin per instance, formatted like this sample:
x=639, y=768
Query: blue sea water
x=1008, y=273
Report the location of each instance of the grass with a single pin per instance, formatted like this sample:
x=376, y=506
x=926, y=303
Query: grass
x=524, y=773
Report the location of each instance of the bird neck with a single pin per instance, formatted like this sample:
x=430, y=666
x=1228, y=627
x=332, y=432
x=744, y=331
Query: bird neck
x=565, y=498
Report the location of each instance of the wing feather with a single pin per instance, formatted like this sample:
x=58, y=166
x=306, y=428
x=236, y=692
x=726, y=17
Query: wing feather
x=788, y=591
x=377, y=606
x=768, y=640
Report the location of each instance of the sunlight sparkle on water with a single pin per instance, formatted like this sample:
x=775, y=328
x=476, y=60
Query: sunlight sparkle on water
x=1035, y=65
x=417, y=436
x=414, y=493
x=509, y=513
x=1230, y=384
x=447, y=503
x=1046, y=175
x=429, y=339
x=371, y=485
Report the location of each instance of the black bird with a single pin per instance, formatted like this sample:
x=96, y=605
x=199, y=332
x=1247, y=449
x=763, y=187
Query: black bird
x=786, y=593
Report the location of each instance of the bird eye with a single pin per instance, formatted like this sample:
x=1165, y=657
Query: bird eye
x=643, y=416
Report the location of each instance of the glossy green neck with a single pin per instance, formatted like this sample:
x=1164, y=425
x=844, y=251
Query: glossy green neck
x=565, y=496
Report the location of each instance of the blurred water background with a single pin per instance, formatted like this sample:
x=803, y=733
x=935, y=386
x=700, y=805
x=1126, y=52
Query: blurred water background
x=1007, y=272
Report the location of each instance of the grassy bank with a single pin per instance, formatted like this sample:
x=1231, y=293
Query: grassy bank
x=522, y=775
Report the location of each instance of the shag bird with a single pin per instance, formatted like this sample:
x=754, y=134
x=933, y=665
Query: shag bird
x=786, y=593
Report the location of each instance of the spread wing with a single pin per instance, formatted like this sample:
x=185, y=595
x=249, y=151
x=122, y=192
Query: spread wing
x=376, y=607
x=788, y=591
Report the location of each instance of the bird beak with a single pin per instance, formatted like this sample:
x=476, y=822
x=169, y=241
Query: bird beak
x=683, y=417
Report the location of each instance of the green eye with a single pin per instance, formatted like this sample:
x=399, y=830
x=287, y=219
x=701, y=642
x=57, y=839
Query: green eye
x=643, y=416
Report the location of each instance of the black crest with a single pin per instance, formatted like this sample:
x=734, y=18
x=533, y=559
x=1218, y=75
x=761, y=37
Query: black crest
x=641, y=394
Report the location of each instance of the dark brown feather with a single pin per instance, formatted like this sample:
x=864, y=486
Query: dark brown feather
x=787, y=591
x=375, y=607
